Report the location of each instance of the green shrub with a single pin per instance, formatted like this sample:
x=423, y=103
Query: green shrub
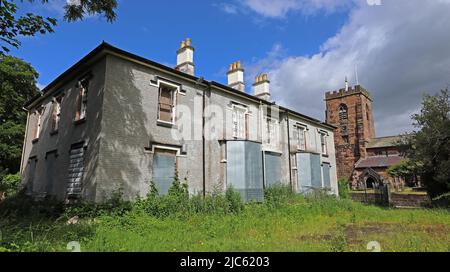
x=234, y=200
x=277, y=195
x=9, y=184
x=344, y=188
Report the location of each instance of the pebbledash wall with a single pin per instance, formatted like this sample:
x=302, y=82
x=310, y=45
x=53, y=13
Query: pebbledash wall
x=117, y=144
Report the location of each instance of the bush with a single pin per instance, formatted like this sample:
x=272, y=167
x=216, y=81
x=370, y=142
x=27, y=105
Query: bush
x=344, y=188
x=9, y=184
x=278, y=195
x=177, y=202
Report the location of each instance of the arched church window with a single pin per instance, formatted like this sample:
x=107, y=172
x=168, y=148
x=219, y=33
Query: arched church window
x=343, y=113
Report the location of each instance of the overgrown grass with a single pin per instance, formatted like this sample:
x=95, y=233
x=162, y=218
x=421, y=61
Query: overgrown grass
x=220, y=222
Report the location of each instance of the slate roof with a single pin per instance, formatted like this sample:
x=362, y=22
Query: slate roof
x=379, y=162
x=383, y=142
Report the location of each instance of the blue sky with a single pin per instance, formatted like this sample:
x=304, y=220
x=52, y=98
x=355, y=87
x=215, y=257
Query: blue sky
x=399, y=47
x=154, y=29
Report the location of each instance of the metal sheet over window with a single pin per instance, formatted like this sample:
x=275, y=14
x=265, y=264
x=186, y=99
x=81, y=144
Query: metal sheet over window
x=326, y=175
x=164, y=164
x=51, y=174
x=303, y=172
x=309, y=172
x=75, y=174
x=272, y=169
x=244, y=169
x=316, y=173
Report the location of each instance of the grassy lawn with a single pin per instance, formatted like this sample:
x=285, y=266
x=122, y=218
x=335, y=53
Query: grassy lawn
x=298, y=224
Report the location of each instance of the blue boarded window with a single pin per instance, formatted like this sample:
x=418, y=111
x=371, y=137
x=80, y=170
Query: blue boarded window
x=326, y=175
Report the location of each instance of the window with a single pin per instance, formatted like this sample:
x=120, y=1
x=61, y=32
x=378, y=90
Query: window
x=300, y=137
x=75, y=172
x=323, y=143
x=166, y=104
x=343, y=113
x=38, y=127
x=56, y=113
x=83, y=86
x=271, y=132
x=239, y=122
x=164, y=169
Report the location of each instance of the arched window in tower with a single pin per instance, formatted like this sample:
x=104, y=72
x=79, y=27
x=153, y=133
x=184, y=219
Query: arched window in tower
x=343, y=113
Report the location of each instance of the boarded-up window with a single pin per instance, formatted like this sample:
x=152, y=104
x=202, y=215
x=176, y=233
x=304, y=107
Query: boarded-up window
x=166, y=106
x=30, y=174
x=164, y=167
x=239, y=122
x=50, y=164
x=56, y=113
x=75, y=172
x=83, y=88
x=272, y=164
x=326, y=175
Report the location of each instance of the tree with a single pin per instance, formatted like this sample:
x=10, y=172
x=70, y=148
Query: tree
x=13, y=25
x=430, y=145
x=17, y=85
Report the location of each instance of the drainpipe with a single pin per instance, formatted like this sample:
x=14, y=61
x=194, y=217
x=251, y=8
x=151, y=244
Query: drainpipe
x=289, y=149
x=208, y=88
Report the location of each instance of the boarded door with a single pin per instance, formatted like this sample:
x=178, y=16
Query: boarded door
x=76, y=170
x=164, y=164
x=272, y=169
x=244, y=169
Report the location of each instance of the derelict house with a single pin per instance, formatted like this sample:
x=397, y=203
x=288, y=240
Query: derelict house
x=117, y=120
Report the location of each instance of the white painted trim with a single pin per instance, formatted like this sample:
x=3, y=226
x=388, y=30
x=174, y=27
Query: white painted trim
x=176, y=91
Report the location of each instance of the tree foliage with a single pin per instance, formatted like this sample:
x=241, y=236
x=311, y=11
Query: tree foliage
x=430, y=145
x=17, y=85
x=13, y=25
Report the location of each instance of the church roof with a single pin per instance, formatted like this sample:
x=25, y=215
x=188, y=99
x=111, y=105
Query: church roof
x=390, y=141
x=379, y=161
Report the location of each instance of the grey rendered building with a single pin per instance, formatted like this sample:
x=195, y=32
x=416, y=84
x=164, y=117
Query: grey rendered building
x=117, y=120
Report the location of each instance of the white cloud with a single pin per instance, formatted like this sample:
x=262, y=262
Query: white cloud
x=228, y=8
x=279, y=8
x=401, y=50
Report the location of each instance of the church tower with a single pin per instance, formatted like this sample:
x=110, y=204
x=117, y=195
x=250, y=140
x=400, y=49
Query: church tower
x=350, y=110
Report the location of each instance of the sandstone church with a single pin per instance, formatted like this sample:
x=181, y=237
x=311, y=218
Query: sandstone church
x=361, y=157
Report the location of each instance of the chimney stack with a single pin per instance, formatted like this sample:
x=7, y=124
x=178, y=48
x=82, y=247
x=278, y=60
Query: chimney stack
x=185, y=57
x=236, y=76
x=262, y=87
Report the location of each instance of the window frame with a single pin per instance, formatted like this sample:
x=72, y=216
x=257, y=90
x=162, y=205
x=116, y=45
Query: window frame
x=271, y=131
x=83, y=86
x=38, y=125
x=343, y=113
x=56, y=113
x=299, y=128
x=244, y=125
x=175, y=89
x=323, y=143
